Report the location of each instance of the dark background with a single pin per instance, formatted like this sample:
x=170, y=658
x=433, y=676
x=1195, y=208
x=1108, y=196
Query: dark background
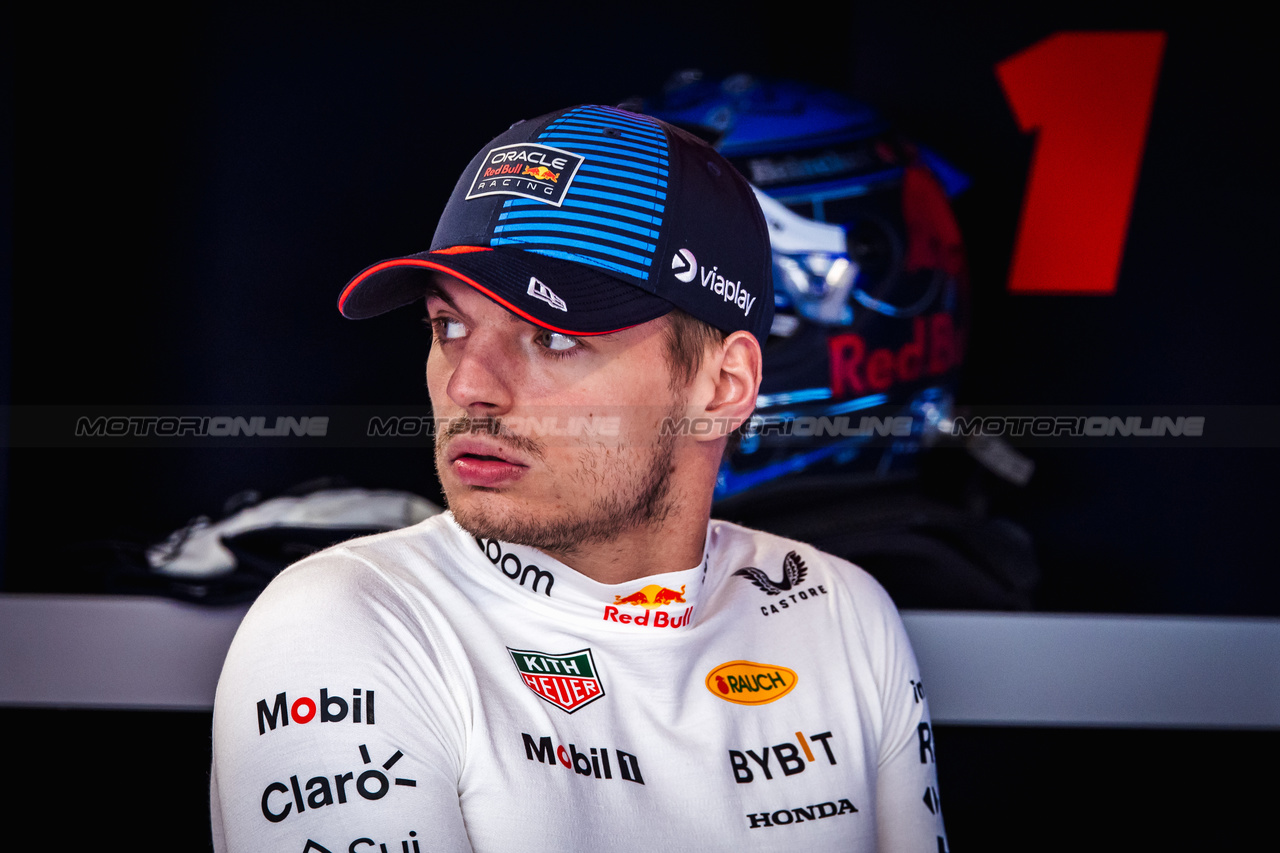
x=191, y=189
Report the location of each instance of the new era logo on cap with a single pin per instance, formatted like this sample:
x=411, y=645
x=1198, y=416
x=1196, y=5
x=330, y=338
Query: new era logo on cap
x=538, y=290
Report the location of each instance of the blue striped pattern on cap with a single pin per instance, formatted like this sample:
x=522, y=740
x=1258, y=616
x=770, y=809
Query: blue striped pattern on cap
x=612, y=213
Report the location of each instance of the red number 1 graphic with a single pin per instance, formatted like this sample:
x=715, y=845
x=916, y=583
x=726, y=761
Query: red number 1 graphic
x=1089, y=95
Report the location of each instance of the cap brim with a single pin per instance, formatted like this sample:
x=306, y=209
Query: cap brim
x=559, y=295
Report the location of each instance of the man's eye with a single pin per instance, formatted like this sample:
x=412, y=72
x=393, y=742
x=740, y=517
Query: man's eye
x=448, y=329
x=558, y=342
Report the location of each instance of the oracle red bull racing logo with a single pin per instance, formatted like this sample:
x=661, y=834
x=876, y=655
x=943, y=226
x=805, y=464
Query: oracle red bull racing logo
x=650, y=599
x=568, y=681
x=528, y=169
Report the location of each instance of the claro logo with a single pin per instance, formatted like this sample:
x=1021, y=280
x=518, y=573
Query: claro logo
x=332, y=709
x=280, y=800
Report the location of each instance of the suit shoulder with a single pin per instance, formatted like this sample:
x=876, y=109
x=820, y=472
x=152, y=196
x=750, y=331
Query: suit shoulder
x=368, y=571
x=774, y=553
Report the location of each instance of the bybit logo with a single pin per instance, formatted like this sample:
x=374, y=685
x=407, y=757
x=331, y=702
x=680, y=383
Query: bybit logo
x=789, y=759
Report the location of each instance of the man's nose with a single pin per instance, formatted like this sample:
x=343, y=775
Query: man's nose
x=483, y=376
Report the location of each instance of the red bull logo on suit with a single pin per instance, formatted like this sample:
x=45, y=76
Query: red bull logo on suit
x=650, y=598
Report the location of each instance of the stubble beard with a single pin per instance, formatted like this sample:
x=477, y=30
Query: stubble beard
x=632, y=495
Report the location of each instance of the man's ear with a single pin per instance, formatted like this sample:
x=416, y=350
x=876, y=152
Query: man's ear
x=733, y=374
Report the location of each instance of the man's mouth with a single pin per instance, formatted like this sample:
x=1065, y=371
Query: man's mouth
x=477, y=462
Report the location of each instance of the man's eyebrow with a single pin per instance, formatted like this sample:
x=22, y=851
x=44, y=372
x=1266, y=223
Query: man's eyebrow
x=435, y=291
x=438, y=292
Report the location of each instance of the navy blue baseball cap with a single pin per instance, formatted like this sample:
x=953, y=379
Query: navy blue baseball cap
x=590, y=220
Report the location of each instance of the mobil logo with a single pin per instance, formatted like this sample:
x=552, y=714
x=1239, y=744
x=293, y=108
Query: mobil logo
x=593, y=764
x=331, y=708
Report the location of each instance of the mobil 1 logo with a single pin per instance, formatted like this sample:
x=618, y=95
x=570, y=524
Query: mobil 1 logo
x=594, y=765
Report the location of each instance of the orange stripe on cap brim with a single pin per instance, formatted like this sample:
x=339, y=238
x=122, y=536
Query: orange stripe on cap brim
x=425, y=264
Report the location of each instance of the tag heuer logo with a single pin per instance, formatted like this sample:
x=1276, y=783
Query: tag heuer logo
x=568, y=681
x=527, y=169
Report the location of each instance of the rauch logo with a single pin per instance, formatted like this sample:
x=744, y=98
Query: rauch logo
x=745, y=682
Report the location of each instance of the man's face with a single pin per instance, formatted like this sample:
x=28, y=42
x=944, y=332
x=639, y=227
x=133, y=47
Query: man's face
x=555, y=442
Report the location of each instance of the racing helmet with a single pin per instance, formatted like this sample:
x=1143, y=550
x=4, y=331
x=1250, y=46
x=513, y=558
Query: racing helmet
x=870, y=281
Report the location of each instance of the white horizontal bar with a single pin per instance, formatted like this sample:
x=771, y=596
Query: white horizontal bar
x=1092, y=670
x=112, y=651
x=979, y=668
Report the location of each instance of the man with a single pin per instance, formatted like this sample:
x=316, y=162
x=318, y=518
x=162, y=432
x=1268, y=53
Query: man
x=575, y=657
